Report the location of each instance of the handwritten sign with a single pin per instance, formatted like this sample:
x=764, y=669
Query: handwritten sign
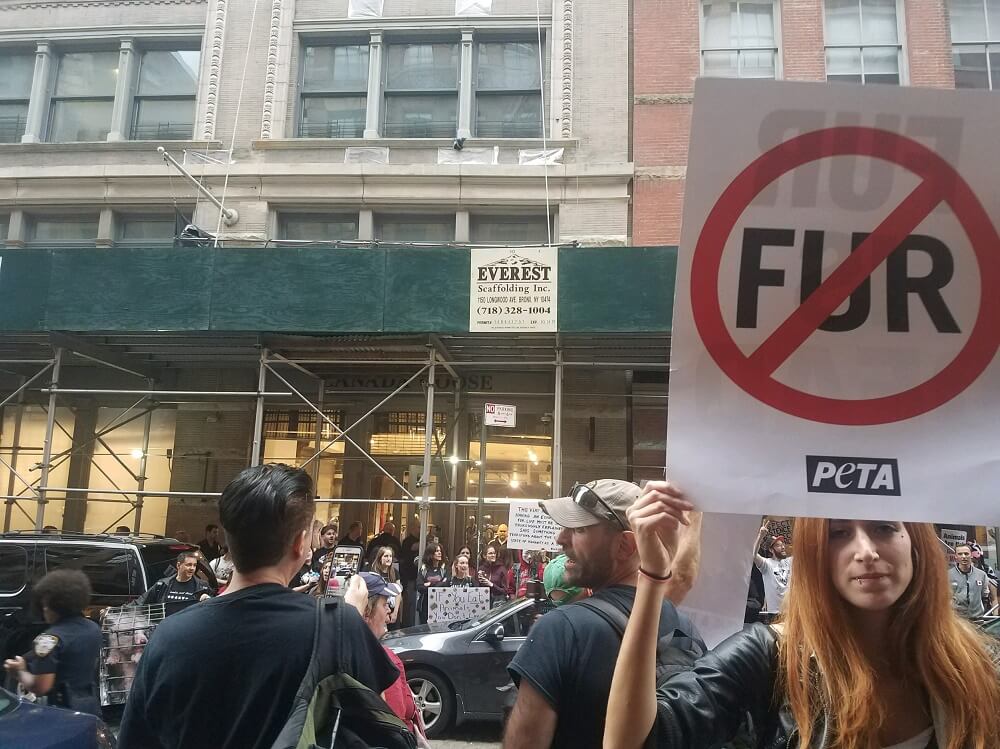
x=456, y=604
x=530, y=528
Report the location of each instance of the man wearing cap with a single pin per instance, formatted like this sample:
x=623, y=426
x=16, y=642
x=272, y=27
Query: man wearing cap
x=564, y=669
x=776, y=570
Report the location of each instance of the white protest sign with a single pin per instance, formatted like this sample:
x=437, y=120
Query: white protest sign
x=717, y=602
x=499, y=415
x=835, y=316
x=455, y=604
x=953, y=537
x=530, y=528
x=514, y=289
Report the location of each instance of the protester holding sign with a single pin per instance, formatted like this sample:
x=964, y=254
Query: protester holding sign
x=775, y=569
x=433, y=572
x=860, y=664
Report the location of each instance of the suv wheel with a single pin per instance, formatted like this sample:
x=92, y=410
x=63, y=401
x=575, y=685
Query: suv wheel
x=434, y=700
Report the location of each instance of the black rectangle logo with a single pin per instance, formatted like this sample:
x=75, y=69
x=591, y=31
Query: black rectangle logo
x=828, y=474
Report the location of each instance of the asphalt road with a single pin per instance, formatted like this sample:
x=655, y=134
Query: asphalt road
x=471, y=736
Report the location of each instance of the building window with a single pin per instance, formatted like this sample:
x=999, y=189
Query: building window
x=508, y=230
x=282, y=424
x=415, y=228
x=319, y=227
x=334, y=91
x=4, y=228
x=164, y=101
x=862, y=41
x=148, y=229
x=84, y=97
x=421, y=90
x=508, y=90
x=975, y=36
x=68, y=229
x=738, y=39
x=16, y=72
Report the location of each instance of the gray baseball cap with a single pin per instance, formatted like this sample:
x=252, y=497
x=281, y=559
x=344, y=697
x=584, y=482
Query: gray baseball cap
x=617, y=496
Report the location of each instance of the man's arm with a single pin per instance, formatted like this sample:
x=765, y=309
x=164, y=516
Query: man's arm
x=684, y=570
x=757, y=558
x=532, y=723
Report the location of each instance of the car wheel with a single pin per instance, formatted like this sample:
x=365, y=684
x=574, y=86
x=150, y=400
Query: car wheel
x=434, y=699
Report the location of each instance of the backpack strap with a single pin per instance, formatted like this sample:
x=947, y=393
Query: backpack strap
x=618, y=620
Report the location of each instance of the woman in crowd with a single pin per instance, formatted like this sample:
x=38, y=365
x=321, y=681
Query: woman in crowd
x=433, y=572
x=223, y=568
x=378, y=609
x=493, y=574
x=382, y=563
x=868, y=653
x=461, y=574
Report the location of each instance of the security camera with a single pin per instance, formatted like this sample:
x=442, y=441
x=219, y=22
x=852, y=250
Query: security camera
x=458, y=144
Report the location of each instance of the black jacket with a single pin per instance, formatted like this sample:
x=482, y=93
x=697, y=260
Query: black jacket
x=704, y=707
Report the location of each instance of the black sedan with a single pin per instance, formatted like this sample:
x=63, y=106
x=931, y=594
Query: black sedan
x=457, y=671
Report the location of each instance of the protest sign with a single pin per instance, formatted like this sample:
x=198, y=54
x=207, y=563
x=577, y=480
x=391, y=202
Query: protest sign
x=835, y=309
x=456, y=604
x=530, y=528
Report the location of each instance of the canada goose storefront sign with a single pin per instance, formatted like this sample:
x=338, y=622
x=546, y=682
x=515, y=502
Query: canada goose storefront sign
x=514, y=289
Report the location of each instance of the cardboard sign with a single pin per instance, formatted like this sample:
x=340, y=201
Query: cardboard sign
x=499, y=415
x=514, y=289
x=530, y=528
x=456, y=604
x=953, y=537
x=835, y=311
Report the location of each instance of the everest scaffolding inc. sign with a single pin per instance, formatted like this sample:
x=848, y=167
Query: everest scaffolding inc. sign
x=514, y=290
x=835, y=331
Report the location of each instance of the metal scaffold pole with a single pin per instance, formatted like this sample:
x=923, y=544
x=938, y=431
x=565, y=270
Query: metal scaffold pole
x=15, y=448
x=425, y=500
x=258, y=421
x=557, y=429
x=50, y=425
x=143, y=461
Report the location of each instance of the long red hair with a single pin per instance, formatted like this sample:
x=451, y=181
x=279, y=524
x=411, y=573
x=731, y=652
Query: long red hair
x=930, y=646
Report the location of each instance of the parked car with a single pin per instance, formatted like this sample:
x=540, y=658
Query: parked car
x=458, y=671
x=25, y=725
x=120, y=569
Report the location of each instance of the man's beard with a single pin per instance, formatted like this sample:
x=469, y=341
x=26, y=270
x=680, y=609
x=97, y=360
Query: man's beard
x=593, y=573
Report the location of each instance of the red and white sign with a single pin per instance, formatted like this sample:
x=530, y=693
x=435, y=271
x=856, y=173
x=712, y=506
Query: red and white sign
x=499, y=415
x=836, y=317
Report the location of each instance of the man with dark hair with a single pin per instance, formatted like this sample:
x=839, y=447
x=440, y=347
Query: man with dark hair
x=256, y=640
x=183, y=587
x=564, y=670
x=211, y=544
x=386, y=538
x=329, y=536
x=62, y=663
x=354, y=535
x=970, y=586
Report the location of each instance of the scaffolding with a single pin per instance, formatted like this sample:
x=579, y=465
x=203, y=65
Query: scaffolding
x=535, y=354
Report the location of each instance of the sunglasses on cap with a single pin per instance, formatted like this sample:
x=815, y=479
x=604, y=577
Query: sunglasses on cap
x=591, y=501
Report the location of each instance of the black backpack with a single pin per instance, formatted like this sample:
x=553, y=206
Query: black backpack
x=332, y=710
x=676, y=651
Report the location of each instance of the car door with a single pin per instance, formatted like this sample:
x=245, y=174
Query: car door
x=15, y=598
x=483, y=670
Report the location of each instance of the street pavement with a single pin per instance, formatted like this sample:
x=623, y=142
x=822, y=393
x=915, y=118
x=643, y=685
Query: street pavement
x=471, y=736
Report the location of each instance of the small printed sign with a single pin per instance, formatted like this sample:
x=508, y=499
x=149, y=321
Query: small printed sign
x=500, y=415
x=514, y=290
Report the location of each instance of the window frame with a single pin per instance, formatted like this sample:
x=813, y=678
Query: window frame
x=28, y=553
x=135, y=97
x=121, y=219
x=379, y=217
x=478, y=41
x=304, y=44
x=32, y=222
x=26, y=102
x=776, y=49
x=899, y=46
x=988, y=46
x=386, y=93
x=475, y=216
x=54, y=99
x=317, y=215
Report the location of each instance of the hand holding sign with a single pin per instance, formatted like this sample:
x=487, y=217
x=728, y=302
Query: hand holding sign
x=656, y=519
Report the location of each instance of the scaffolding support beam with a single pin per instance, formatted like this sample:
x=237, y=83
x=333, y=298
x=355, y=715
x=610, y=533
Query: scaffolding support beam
x=93, y=353
x=15, y=448
x=557, y=428
x=141, y=483
x=258, y=419
x=425, y=500
x=50, y=424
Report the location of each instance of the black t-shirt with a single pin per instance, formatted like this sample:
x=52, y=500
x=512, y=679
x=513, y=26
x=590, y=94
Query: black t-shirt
x=172, y=590
x=407, y=559
x=69, y=649
x=223, y=674
x=317, y=558
x=569, y=657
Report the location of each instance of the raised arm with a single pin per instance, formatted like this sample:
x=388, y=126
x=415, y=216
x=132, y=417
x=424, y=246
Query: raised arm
x=757, y=558
x=655, y=519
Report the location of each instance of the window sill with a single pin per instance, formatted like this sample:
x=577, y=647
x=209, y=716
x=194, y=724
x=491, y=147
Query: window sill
x=277, y=144
x=102, y=145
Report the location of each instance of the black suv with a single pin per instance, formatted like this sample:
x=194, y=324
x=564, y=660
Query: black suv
x=120, y=569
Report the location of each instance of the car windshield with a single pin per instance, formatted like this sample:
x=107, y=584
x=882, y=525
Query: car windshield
x=500, y=611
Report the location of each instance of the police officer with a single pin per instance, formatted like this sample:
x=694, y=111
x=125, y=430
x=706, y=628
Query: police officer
x=62, y=663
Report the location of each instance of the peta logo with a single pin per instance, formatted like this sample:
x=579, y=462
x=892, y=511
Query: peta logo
x=831, y=475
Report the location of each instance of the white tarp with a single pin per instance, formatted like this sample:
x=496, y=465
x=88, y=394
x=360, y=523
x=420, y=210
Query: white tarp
x=539, y=157
x=834, y=330
x=365, y=8
x=486, y=156
x=366, y=155
x=530, y=528
x=514, y=290
x=473, y=7
x=455, y=604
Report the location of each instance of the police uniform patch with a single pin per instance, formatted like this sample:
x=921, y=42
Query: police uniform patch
x=45, y=644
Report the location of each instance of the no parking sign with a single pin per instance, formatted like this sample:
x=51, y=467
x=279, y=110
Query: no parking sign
x=837, y=311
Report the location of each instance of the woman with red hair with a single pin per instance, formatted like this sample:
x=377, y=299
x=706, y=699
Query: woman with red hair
x=867, y=653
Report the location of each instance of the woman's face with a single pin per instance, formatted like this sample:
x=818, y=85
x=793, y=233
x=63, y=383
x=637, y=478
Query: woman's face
x=438, y=556
x=378, y=620
x=466, y=551
x=871, y=562
x=491, y=554
x=386, y=559
x=462, y=565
